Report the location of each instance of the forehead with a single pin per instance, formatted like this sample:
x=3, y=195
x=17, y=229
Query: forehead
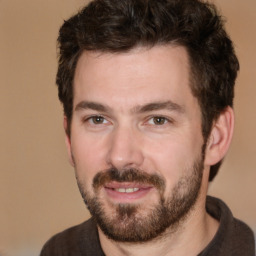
x=142, y=75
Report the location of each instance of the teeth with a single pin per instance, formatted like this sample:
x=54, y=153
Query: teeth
x=126, y=190
x=122, y=190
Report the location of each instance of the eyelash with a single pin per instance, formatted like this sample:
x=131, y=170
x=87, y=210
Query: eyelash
x=161, y=118
x=94, y=117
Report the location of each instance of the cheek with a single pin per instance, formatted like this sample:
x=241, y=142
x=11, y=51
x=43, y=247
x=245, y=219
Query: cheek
x=167, y=159
x=88, y=155
x=173, y=158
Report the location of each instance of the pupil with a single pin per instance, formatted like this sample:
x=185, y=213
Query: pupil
x=159, y=120
x=98, y=119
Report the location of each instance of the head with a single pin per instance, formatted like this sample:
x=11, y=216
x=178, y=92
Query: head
x=117, y=26
x=147, y=90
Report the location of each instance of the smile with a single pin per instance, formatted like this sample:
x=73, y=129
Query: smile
x=126, y=192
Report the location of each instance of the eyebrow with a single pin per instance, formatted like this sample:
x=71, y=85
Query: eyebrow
x=169, y=105
x=92, y=105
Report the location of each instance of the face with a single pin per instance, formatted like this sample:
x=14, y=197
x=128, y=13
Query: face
x=136, y=140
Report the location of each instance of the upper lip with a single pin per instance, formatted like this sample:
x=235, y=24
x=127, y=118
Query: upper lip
x=116, y=185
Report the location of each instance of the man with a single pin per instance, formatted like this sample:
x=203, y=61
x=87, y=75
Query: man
x=147, y=88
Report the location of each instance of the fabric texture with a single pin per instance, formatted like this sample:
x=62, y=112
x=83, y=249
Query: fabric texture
x=233, y=238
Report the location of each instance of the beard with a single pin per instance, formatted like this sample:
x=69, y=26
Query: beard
x=135, y=223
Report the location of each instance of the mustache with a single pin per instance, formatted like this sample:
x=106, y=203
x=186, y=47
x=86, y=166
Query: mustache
x=128, y=175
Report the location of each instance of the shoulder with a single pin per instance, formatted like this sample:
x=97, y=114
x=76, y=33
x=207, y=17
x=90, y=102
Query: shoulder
x=233, y=236
x=242, y=237
x=78, y=240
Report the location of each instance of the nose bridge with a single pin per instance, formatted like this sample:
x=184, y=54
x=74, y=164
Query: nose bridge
x=125, y=150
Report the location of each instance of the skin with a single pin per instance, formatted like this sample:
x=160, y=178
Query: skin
x=129, y=134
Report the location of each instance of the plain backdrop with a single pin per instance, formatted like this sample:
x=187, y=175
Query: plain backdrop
x=38, y=191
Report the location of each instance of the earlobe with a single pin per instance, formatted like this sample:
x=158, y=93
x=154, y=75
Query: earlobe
x=68, y=141
x=220, y=137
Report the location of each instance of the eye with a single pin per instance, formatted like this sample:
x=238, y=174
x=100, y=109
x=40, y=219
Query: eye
x=158, y=120
x=96, y=120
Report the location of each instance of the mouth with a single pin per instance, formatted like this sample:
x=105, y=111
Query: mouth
x=123, y=192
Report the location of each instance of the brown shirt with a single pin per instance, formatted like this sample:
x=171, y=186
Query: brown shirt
x=233, y=238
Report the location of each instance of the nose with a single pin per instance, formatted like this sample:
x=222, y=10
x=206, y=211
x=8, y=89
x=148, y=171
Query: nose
x=125, y=149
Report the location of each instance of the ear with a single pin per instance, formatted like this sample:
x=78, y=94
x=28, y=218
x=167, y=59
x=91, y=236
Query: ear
x=68, y=141
x=220, y=137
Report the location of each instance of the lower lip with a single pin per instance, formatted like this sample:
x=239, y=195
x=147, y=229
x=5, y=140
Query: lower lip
x=127, y=197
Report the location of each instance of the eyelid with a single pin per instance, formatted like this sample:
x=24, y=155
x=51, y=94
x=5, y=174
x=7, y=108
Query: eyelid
x=90, y=117
x=167, y=119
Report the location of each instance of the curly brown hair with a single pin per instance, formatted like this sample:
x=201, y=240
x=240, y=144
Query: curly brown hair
x=121, y=25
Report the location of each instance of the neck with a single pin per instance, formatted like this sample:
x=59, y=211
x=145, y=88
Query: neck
x=190, y=238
